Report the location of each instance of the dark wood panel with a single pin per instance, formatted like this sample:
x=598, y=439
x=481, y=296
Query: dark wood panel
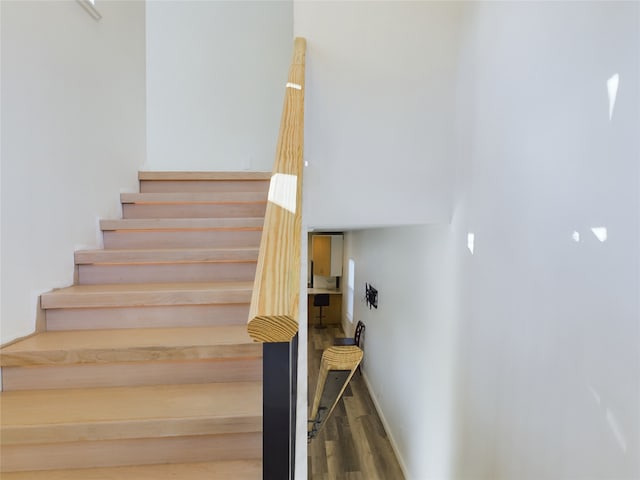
x=330, y=315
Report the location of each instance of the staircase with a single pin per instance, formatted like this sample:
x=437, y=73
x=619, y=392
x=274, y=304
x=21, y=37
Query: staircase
x=145, y=369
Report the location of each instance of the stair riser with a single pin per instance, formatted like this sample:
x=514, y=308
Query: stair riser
x=186, y=210
x=147, y=317
x=146, y=451
x=158, y=273
x=182, y=239
x=144, y=299
x=191, y=255
x=132, y=374
x=167, y=186
x=179, y=401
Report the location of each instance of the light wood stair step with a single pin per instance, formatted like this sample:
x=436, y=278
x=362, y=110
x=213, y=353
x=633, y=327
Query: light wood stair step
x=250, y=469
x=166, y=272
x=137, y=451
x=193, y=197
x=204, y=182
x=147, y=294
x=93, y=274
x=208, y=176
x=147, y=316
x=123, y=374
x=145, y=369
x=168, y=265
x=251, y=223
x=162, y=273
x=194, y=204
x=159, y=186
x=93, y=414
x=182, y=233
x=166, y=255
x=130, y=345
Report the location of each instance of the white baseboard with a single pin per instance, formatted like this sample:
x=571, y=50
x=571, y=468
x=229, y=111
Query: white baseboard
x=385, y=424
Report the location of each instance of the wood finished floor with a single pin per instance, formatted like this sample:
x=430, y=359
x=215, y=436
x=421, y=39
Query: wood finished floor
x=353, y=445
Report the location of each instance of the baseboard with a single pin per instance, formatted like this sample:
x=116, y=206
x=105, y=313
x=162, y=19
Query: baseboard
x=385, y=424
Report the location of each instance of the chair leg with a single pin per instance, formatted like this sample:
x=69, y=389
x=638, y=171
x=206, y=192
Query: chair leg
x=320, y=325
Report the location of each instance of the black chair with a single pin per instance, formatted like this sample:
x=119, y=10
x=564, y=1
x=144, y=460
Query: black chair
x=321, y=300
x=356, y=340
x=352, y=341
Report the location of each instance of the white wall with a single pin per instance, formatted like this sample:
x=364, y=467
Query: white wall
x=550, y=364
x=73, y=136
x=216, y=74
x=521, y=361
x=408, y=360
x=379, y=111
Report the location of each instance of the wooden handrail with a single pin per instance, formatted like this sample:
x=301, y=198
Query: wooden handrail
x=273, y=315
x=341, y=358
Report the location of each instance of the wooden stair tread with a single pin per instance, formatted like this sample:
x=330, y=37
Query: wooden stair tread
x=204, y=175
x=223, y=470
x=166, y=255
x=137, y=379
x=145, y=294
x=184, y=223
x=127, y=345
x=194, y=197
x=61, y=415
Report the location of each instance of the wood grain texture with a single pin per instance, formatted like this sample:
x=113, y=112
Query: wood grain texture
x=129, y=374
x=334, y=358
x=189, y=238
x=192, y=210
x=169, y=176
x=166, y=272
x=139, y=451
x=223, y=470
x=250, y=223
x=147, y=294
x=194, y=197
x=188, y=205
x=273, y=315
x=147, y=359
x=353, y=443
x=45, y=416
x=168, y=255
x=130, y=345
x=147, y=317
x=321, y=254
x=330, y=314
x=156, y=186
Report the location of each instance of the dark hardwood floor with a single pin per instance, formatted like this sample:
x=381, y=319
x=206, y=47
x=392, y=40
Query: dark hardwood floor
x=353, y=445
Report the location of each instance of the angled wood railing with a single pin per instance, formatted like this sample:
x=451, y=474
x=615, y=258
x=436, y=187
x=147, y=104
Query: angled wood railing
x=273, y=316
x=337, y=366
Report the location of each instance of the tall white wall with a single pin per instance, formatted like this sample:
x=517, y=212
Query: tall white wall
x=216, y=74
x=379, y=111
x=521, y=360
x=73, y=137
x=549, y=358
x=409, y=342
